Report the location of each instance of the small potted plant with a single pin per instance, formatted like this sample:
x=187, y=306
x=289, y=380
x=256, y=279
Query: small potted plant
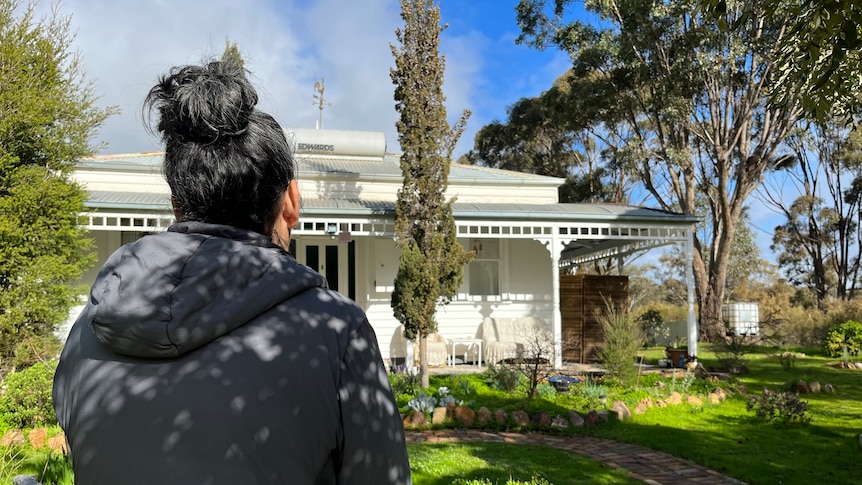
x=677, y=353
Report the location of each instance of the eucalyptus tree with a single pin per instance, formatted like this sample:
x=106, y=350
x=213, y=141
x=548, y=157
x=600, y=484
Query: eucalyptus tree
x=48, y=118
x=539, y=138
x=432, y=260
x=820, y=196
x=681, y=102
x=819, y=60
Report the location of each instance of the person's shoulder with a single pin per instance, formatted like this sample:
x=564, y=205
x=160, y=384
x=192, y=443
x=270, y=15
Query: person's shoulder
x=338, y=305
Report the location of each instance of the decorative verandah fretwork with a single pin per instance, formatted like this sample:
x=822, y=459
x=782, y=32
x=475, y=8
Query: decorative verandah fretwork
x=569, y=243
x=125, y=221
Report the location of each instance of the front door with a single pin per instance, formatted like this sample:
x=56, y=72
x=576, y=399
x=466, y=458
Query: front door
x=335, y=261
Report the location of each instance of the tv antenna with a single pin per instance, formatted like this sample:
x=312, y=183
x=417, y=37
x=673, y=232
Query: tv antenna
x=320, y=101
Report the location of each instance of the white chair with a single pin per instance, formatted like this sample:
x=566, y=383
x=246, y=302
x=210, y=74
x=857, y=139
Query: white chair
x=510, y=338
x=436, y=347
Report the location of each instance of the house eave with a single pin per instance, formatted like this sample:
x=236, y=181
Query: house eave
x=342, y=208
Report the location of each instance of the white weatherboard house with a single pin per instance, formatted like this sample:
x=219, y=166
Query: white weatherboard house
x=520, y=233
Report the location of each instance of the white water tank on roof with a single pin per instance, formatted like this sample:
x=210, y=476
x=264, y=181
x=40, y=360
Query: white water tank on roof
x=338, y=142
x=741, y=318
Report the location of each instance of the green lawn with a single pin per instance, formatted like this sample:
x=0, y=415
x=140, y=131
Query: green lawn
x=442, y=463
x=723, y=437
x=726, y=437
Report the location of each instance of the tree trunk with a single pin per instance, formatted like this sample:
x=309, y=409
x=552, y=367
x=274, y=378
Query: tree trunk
x=423, y=360
x=711, y=321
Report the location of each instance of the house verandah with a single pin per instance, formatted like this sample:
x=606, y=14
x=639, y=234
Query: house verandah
x=520, y=235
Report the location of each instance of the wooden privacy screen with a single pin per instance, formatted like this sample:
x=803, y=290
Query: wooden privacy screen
x=582, y=300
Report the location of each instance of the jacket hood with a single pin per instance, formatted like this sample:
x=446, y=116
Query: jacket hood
x=170, y=293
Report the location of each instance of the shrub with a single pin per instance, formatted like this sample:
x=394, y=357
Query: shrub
x=545, y=390
x=462, y=386
x=503, y=377
x=27, y=402
x=534, y=359
x=840, y=311
x=4, y=426
x=653, y=326
x=782, y=407
x=423, y=403
x=404, y=384
x=800, y=326
x=844, y=337
x=594, y=394
x=731, y=352
x=683, y=385
x=33, y=350
x=623, y=339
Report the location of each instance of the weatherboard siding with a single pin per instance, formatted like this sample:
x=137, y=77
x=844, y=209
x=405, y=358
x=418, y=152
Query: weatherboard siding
x=117, y=181
x=326, y=186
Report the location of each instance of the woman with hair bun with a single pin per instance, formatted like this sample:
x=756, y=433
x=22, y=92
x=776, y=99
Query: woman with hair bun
x=207, y=354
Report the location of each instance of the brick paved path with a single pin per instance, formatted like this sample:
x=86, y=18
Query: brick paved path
x=653, y=467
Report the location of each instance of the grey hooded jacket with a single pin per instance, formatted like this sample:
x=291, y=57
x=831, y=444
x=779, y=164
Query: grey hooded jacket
x=208, y=355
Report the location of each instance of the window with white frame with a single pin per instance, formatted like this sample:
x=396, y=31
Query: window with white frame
x=484, y=270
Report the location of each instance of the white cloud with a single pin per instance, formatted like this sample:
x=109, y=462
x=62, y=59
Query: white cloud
x=288, y=45
x=127, y=44
x=350, y=41
x=487, y=75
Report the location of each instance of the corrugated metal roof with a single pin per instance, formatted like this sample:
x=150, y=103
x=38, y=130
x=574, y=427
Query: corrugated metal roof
x=361, y=167
x=463, y=211
x=348, y=166
x=568, y=212
x=128, y=201
x=142, y=162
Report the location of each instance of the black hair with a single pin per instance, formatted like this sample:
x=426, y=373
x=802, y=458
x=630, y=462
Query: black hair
x=225, y=161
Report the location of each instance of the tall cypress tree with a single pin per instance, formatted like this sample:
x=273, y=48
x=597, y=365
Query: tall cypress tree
x=431, y=265
x=231, y=53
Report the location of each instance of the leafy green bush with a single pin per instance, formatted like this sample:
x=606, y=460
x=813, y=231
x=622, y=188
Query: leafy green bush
x=404, y=384
x=503, y=377
x=781, y=407
x=592, y=393
x=623, y=339
x=462, y=386
x=4, y=426
x=35, y=349
x=545, y=390
x=847, y=335
x=653, y=326
x=423, y=403
x=682, y=385
x=27, y=402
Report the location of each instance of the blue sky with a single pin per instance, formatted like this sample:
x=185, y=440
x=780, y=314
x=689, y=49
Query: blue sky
x=289, y=44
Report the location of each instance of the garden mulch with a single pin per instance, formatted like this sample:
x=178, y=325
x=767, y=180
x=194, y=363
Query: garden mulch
x=650, y=466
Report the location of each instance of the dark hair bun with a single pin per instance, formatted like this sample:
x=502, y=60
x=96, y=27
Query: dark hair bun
x=203, y=103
